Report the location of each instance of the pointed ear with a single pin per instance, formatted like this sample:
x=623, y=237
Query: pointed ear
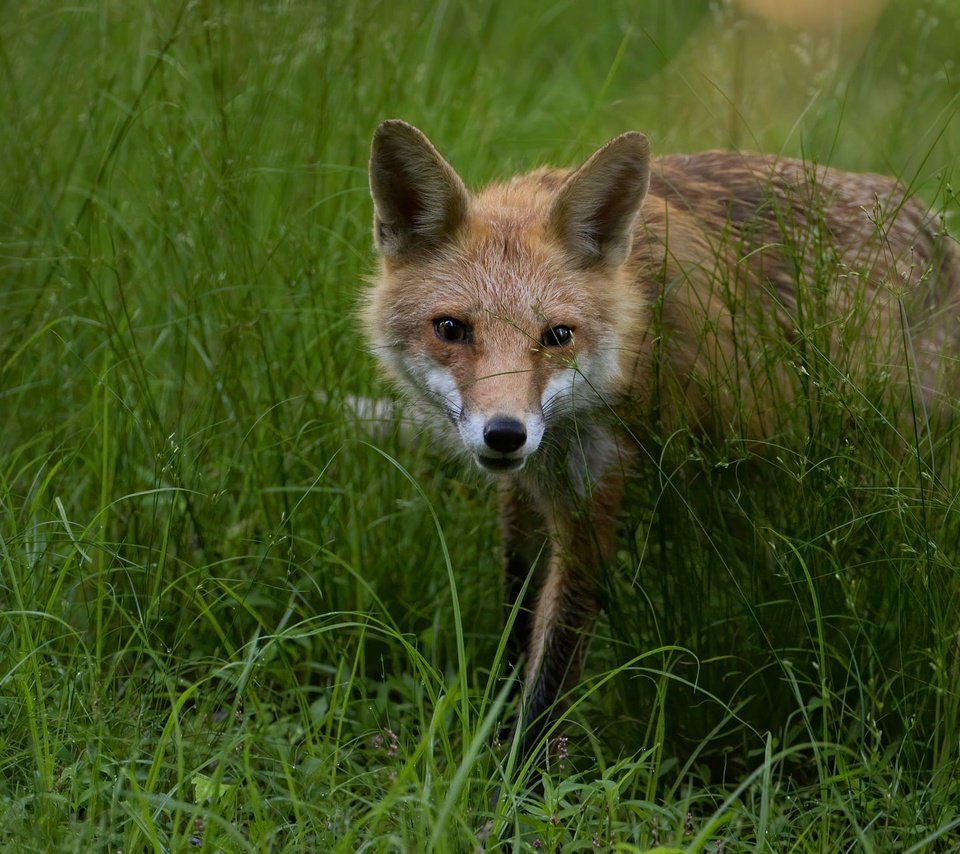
x=419, y=201
x=594, y=213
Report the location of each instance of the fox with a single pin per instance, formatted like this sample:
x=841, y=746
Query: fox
x=551, y=326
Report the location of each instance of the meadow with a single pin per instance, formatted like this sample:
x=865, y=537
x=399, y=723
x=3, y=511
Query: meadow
x=236, y=616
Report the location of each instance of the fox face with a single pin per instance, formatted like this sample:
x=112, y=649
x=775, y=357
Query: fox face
x=509, y=311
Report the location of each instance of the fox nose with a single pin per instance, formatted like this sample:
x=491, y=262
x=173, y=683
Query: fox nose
x=504, y=434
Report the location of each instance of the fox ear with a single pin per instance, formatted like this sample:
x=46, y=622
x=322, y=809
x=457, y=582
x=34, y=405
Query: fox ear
x=419, y=201
x=594, y=213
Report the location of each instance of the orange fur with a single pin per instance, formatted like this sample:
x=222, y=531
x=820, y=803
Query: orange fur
x=554, y=320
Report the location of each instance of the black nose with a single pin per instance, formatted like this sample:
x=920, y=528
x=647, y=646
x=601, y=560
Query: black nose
x=504, y=434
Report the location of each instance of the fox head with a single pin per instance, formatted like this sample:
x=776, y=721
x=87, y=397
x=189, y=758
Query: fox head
x=511, y=310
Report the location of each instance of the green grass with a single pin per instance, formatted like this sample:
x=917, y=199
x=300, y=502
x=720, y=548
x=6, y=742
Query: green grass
x=235, y=618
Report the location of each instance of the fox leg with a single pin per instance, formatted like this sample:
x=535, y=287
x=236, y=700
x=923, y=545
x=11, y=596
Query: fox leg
x=524, y=539
x=567, y=607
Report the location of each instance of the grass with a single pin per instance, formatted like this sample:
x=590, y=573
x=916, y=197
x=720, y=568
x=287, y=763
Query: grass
x=235, y=618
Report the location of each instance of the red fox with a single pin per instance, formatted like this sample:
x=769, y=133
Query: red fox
x=548, y=324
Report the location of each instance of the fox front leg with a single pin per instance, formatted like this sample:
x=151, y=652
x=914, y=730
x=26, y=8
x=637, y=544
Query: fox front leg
x=567, y=608
x=524, y=541
x=565, y=613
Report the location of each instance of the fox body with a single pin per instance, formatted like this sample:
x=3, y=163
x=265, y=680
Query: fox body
x=550, y=323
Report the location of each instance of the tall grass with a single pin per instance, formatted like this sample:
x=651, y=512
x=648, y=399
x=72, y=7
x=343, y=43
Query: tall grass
x=234, y=617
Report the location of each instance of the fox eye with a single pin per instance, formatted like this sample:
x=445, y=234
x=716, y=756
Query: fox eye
x=451, y=329
x=557, y=336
